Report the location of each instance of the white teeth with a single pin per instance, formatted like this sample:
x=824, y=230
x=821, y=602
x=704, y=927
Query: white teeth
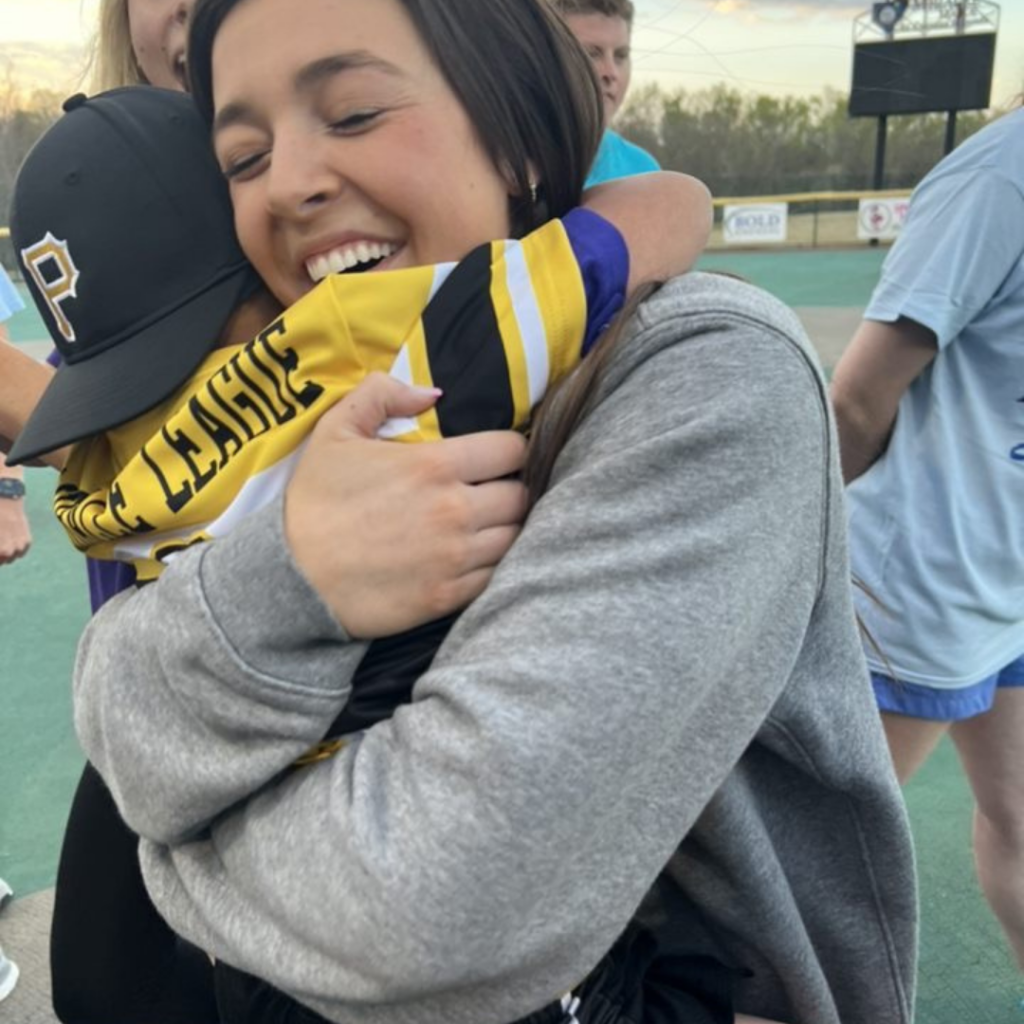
x=345, y=257
x=318, y=267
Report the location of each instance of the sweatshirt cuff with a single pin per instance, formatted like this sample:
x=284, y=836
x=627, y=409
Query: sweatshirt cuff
x=267, y=610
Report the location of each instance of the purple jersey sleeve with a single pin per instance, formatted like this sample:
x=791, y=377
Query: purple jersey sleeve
x=604, y=263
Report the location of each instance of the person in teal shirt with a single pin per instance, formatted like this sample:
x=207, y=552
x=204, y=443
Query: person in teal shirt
x=604, y=28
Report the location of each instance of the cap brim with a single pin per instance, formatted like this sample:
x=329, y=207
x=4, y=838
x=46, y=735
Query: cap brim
x=126, y=380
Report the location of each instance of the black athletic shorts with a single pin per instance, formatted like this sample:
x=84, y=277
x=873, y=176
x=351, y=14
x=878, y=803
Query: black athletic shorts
x=633, y=984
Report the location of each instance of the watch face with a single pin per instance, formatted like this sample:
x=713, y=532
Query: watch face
x=10, y=488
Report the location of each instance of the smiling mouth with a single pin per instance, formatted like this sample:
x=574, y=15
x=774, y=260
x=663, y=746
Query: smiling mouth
x=354, y=259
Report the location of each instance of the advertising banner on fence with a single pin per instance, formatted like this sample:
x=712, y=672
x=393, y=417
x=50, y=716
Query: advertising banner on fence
x=758, y=222
x=881, y=218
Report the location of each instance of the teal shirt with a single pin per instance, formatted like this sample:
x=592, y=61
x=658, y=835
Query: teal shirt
x=617, y=158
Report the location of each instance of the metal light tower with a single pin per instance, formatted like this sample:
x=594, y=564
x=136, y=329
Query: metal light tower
x=915, y=56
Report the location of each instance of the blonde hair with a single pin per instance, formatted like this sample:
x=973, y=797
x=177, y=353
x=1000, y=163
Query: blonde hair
x=113, y=62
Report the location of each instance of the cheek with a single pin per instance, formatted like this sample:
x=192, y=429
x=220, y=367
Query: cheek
x=141, y=29
x=250, y=228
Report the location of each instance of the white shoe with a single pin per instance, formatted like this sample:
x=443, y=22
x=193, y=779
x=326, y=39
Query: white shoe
x=8, y=976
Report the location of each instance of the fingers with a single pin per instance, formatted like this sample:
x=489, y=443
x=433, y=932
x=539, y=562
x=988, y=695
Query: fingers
x=372, y=402
x=489, y=547
x=486, y=456
x=496, y=503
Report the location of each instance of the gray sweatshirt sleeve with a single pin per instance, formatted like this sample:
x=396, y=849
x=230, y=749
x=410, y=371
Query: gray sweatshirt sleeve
x=157, y=672
x=475, y=855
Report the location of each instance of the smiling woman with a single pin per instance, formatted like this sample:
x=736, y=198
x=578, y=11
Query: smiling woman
x=316, y=127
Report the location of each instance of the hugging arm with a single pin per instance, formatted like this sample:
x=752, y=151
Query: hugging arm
x=412, y=534
x=665, y=219
x=22, y=381
x=500, y=831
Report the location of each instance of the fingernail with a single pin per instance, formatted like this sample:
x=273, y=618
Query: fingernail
x=429, y=392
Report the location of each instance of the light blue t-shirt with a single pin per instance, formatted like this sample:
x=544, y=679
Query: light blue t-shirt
x=10, y=300
x=617, y=158
x=937, y=524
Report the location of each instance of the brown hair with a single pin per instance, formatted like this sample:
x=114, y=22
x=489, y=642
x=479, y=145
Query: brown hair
x=518, y=72
x=565, y=407
x=609, y=8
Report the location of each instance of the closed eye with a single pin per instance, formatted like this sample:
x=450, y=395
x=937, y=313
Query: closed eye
x=355, y=123
x=244, y=167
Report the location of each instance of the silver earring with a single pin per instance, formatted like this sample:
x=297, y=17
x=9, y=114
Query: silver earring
x=533, y=192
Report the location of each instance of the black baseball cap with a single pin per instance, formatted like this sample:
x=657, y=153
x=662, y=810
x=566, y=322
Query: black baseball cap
x=122, y=225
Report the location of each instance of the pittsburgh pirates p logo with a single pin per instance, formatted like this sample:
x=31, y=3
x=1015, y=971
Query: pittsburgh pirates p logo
x=55, y=274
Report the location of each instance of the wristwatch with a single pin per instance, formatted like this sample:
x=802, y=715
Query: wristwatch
x=11, y=488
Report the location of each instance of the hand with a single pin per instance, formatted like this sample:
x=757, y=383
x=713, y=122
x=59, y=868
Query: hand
x=15, y=536
x=393, y=535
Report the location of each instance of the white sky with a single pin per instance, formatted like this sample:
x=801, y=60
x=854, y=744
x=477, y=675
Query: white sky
x=777, y=46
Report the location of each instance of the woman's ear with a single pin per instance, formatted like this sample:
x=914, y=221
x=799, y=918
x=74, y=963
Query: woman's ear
x=516, y=189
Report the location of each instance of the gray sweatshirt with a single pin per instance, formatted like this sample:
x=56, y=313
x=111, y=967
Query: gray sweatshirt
x=663, y=683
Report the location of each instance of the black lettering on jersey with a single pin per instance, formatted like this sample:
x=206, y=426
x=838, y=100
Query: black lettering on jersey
x=234, y=404
x=77, y=512
x=116, y=503
x=223, y=375
x=264, y=399
x=175, y=500
x=220, y=433
x=288, y=360
x=186, y=447
x=465, y=350
x=285, y=411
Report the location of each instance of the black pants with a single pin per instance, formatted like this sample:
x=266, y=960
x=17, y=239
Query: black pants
x=113, y=958
x=638, y=982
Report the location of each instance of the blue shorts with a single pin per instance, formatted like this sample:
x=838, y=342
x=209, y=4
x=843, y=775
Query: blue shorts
x=944, y=705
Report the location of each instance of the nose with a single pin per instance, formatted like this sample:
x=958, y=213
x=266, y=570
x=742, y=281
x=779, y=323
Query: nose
x=299, y=181
x=606, y=69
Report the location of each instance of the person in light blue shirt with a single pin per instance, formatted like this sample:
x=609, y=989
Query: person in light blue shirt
x=10, y=300
x=604, y=29
x=929, y=396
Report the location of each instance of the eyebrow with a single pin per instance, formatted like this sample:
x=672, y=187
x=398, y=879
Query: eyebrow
x=308, y=78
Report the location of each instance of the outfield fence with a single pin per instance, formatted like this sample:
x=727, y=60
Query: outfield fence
x=809, y=220
x=794, y=220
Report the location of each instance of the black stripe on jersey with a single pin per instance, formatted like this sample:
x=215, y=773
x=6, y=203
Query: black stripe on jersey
x=465, y=350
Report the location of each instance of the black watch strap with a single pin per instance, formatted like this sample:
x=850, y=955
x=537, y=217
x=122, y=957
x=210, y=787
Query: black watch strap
x=11, y=488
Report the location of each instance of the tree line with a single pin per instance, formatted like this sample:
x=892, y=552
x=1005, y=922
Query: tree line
x=741, y=144
x=24, y=117
x=738, y=143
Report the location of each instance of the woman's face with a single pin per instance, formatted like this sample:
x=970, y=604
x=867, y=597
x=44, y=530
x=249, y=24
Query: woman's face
x=344, y=145
x=158, y=31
